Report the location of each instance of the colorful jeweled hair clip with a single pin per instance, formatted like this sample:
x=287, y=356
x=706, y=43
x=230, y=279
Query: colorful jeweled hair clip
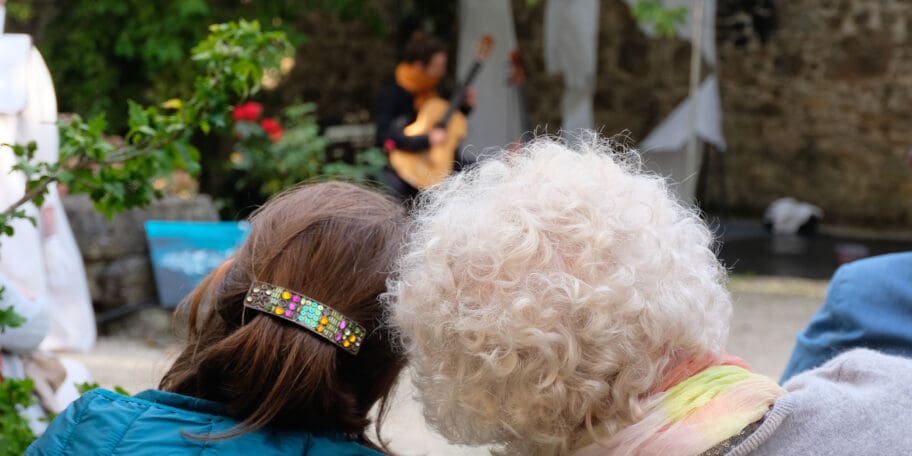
x=303, y=311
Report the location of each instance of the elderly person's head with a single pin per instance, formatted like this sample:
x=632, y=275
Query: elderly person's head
x=549, y=299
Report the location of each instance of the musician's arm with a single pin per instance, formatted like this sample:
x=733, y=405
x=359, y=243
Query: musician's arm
x=390, y=125
x=417, y=143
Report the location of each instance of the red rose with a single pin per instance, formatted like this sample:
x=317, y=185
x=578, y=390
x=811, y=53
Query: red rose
x=249, y=111
x=272, y=129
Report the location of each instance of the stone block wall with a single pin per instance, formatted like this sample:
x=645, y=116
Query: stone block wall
x=115, y=252
x=822, y=108
x=816, y=99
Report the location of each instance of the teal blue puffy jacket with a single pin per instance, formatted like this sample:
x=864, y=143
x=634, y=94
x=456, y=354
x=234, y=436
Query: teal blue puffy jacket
x=158, y=423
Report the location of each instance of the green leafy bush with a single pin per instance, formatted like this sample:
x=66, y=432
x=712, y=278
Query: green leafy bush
x=665, y=19
x=232, y=58
x=15, y=433
x=273, y=162
x=104, y=52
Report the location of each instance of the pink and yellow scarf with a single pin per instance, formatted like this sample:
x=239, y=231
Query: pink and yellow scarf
x=699, y=405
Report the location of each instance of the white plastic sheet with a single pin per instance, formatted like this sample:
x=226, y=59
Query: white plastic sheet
x=787, y=215
x=15, y=51
x=571, y=44
x=673, y=133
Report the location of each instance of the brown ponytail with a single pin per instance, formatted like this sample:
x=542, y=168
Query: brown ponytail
x=333, y=242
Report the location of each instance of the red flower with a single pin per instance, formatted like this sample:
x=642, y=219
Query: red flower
x=272, y=129
x=249, y=111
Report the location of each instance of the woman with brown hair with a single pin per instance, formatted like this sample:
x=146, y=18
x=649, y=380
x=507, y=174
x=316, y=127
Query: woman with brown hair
x=285, y=351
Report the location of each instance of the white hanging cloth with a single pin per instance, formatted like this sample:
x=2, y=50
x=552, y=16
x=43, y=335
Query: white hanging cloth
x=41, y=269
x=673, y=133
x=44, y=261
x=498, y=116
x=571, y=44
x=15, y=51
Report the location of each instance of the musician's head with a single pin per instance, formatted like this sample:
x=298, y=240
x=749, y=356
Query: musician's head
x=427, y=53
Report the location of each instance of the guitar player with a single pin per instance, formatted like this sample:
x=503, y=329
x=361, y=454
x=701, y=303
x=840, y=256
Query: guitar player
x=423, y=65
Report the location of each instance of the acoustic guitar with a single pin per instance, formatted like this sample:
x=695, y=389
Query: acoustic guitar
x=425, y=168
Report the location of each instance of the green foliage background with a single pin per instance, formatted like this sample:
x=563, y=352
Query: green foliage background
x=104, y=52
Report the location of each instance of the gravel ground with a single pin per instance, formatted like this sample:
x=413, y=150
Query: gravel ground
x=768, y=314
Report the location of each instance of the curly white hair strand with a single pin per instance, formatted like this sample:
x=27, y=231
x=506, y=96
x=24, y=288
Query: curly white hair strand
x=543, y=293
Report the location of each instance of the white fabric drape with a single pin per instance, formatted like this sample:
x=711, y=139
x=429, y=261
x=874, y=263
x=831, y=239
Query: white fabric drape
x=673, y=133
x=44, y=261
x=40, y=266
x=571, y=44
x=664, y=149
x=497, y=119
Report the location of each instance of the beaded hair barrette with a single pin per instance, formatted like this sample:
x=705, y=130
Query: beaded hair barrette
x=303, y=311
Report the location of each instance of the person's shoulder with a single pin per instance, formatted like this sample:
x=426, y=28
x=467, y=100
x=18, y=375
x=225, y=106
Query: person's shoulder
x=322, y=445
x=859, y=379
x=392, y=88
x=100, y=398
x=873, y=271
x=853, y=404
x=86, y=424
x=860, y=363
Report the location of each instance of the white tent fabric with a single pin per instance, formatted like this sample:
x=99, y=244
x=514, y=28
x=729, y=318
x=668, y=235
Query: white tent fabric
x=15, y=51
x=673, y=133
x=497, y=119
x=685, y=29
x=21, y=256
x=40, y=267
x=44, y=261
x=571, y=44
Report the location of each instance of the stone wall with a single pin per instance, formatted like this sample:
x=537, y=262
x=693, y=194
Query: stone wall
x=115, y=252
x=822, y=109
x=639, y=79
x=816, y=98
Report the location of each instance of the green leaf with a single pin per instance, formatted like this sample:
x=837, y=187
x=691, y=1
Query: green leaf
x=86, y=387
x=663, y=19
x=15, y=433
x=119, y=390
x=10, y=319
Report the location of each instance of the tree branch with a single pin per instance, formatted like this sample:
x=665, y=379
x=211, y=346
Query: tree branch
x=29, y=195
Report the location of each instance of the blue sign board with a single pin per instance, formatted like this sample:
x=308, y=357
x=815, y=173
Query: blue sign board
x=183, y=253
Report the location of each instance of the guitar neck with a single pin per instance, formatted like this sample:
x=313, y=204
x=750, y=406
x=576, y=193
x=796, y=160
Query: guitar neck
x=459, y=93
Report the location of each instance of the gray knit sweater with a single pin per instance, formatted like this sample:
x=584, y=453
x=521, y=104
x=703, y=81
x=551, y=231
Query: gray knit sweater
x=859, y=403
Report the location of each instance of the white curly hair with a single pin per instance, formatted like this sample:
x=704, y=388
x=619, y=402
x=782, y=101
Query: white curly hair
x=542, y=294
